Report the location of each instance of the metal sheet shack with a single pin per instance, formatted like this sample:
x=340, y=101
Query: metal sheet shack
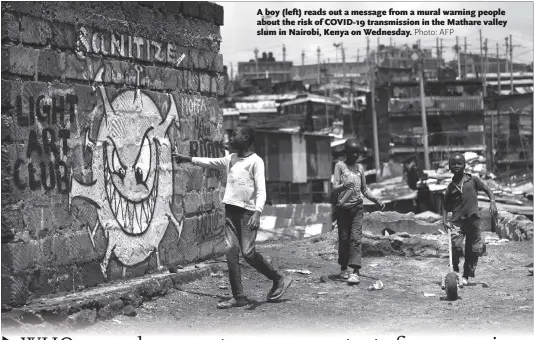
x=298, y=166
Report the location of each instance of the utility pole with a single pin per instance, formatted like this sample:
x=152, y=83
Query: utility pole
x=373, y=111
x=256, y=57
x=352, y=107
x=302, y=66
x=440, y=75
x=480, y=59
x=498, y=71
x=358, y=55
x=442, y=61
x=457, y=49
x=506, y=54
x=419, y=58
x=284, y=60
x=319, y=65
x=343, y=59
x=390, y=52
x=465, y=57
x=511, y=67
x=231, y=71
x=485, y=70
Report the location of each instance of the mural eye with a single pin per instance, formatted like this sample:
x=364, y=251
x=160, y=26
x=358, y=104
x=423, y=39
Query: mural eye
x=118, y=168
x=142, y=164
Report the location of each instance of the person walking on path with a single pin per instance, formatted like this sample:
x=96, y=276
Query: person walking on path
x=244, y=199
x=349, y=186
x=461, y=198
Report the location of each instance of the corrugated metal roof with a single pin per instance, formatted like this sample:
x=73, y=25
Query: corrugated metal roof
x=230, y=112
x=260, y=106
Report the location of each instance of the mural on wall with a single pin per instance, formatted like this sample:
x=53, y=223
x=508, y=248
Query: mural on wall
x=132, y=186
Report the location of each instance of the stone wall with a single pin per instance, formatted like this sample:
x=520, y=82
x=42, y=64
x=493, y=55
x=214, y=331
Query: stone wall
x=95, y=97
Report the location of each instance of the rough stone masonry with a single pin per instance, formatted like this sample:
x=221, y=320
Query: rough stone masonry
x=95, y=98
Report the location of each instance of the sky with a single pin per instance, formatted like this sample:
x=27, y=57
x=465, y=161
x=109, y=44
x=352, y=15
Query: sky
x=239, y=36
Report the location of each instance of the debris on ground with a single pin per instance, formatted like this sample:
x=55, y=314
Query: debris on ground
x=322, y=293
x=218, y=274
x=428, y=294
x=378, y=285
x=223, y=287
x=299, y=271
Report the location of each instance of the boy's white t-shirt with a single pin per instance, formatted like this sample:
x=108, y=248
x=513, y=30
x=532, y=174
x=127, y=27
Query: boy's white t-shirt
x=245, y=184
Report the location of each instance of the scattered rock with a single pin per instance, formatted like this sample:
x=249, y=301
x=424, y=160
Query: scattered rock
x=428, y=294
x=218, y=274
x=322, y=293
x=174, y=269
x=110, y=310
x=324, y=278
x=83, y=318
x=129, y=311
x=223, y=287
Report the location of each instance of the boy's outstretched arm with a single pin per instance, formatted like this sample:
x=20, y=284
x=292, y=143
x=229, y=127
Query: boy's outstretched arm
x=261, y=194
x=218, y=163
x=367, y=192
x=481, y=186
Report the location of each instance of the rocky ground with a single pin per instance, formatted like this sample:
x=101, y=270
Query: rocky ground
x=499, y=299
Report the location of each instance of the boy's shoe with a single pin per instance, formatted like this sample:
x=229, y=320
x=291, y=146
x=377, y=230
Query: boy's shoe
x=463, y=282
x=345, y=274
x=353, y=279
x=234, y=302
x=279, y=288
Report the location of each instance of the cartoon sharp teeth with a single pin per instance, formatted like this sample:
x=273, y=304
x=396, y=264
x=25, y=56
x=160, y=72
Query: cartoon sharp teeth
x=131, y=213
x=124, y=214
x=143, y=213
x=119, y=211
x=138, y=216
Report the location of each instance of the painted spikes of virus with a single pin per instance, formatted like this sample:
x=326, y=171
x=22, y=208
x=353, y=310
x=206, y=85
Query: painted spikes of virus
x=132, y=184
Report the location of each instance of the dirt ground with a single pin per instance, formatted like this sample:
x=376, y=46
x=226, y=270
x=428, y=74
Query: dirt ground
x=500, y=298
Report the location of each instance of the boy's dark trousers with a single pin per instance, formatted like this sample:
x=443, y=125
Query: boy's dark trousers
x=349, y=225
x=468, y=229
x=238, y=235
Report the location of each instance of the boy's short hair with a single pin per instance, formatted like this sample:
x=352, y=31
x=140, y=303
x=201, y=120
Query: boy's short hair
x=353, y=144
x=249, y=130
x=457, y=154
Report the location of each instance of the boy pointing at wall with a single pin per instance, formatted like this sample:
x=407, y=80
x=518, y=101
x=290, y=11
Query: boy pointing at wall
x=244, y=199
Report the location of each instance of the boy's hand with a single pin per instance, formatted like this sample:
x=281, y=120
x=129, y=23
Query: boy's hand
x=179, y=158
x=493, y=208
x=381, y=205
x=254, y=221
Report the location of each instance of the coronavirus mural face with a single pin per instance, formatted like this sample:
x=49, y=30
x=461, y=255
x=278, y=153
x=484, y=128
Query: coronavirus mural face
x=132, y=183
